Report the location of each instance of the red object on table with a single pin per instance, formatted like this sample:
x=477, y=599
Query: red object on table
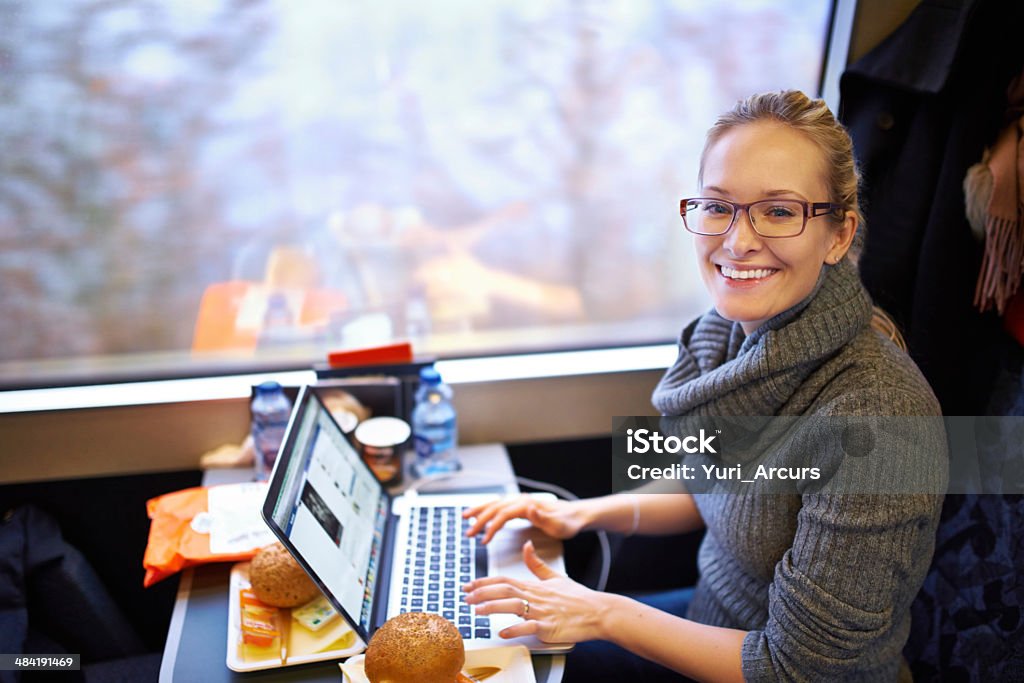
x=390, y=354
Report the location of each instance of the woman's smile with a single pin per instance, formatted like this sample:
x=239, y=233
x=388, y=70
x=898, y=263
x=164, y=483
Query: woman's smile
x=745, y=276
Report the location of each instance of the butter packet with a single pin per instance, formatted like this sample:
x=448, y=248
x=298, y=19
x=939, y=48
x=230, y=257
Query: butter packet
x=260, y=635
x=315, y=614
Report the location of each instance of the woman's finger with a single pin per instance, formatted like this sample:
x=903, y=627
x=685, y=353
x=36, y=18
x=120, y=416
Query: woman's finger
x=486, y=508
x=491, y=581
x=536, y=565
x=481, y=515
x=499, y=520
x=515, y=606
x=474, y=511
x=498, y=591
x=485, y=513
x=524, y=628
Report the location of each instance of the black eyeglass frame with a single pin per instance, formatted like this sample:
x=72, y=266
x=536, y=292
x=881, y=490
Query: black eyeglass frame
x=811, y=210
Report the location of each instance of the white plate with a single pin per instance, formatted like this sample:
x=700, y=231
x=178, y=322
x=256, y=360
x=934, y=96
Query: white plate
x=514, y=661
x=302, y=643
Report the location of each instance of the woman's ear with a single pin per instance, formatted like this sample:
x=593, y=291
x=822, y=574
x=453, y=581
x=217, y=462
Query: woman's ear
x=842, y=238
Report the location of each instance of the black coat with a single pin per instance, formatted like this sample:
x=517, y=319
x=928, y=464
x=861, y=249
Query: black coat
x=921, y=107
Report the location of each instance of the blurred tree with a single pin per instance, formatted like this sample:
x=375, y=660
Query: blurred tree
x=108, y=228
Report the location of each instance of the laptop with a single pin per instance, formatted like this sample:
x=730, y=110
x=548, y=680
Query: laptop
x=375, y=555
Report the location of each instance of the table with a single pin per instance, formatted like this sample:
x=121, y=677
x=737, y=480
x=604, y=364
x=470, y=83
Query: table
x=196, y=647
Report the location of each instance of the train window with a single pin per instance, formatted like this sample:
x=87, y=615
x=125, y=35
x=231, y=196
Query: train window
x=186, y=186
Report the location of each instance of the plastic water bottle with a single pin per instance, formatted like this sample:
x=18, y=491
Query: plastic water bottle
x=270, y=412
x=434, y=426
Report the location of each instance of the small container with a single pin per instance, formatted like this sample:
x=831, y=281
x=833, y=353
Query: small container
x=381, y=439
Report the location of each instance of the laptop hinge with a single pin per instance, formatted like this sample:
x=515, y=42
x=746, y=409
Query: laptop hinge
x=383, y=589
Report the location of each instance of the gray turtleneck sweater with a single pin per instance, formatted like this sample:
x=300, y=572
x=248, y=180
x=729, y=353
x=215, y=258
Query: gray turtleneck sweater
x=822, y=582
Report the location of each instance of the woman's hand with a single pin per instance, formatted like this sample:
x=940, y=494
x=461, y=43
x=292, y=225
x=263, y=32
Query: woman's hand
x=557, y=518
x=555, y=608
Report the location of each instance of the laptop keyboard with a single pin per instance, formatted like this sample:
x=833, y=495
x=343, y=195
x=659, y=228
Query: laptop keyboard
x=440, y=561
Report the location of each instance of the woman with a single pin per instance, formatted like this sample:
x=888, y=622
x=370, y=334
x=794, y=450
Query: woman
x=808, y=586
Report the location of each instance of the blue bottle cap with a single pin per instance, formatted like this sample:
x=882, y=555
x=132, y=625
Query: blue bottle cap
x=429, y=375
x=268, y=387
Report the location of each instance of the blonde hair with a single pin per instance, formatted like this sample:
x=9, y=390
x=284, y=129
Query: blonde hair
x=815, y=120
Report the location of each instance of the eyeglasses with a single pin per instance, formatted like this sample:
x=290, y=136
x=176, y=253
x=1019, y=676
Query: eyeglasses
x=768, y=217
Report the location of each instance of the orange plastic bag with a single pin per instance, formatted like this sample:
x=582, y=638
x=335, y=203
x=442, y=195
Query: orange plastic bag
x=177, y=541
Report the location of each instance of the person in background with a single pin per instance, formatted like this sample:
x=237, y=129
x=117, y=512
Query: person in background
x=806, y=586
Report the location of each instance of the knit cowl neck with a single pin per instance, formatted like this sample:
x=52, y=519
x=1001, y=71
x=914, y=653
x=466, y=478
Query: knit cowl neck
x=721, y=371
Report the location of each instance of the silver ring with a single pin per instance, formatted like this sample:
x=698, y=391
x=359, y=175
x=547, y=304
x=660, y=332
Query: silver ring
x=526, y=607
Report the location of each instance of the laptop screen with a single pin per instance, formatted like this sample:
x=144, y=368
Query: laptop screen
x=330, y=507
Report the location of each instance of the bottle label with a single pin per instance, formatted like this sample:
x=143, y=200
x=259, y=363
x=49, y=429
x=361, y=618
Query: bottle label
x=433, y=457
x=434, y=442
x=435, y=433
x=267, y=438
x=424, y=447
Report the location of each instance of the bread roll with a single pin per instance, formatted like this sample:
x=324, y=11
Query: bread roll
x=415, y=647
x=278, y=580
